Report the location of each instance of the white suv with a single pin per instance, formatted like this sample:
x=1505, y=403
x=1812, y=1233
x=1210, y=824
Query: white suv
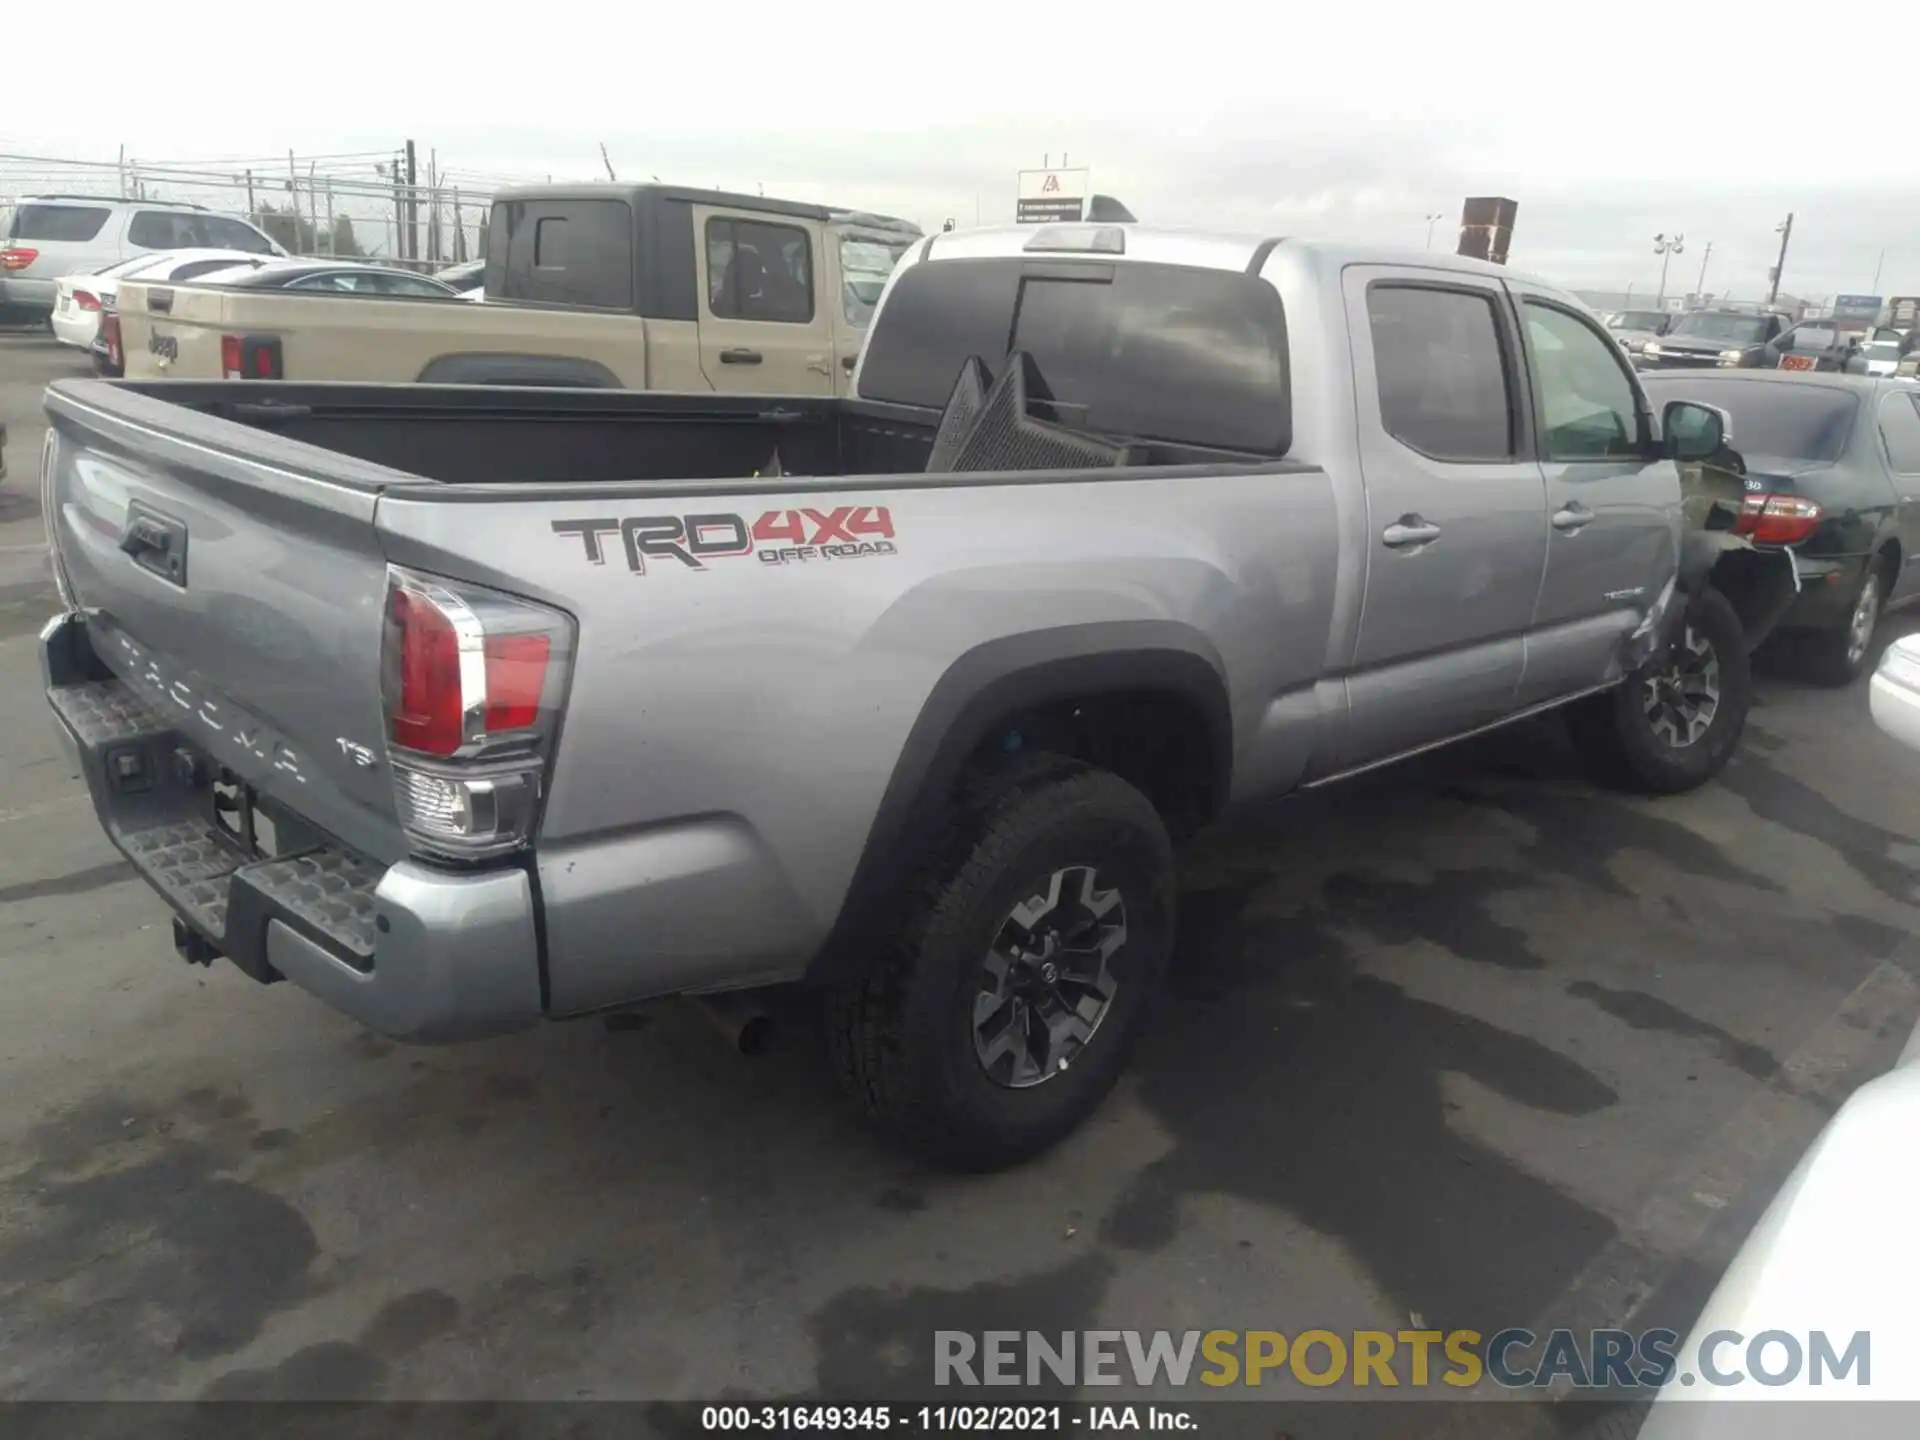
x=45, y=237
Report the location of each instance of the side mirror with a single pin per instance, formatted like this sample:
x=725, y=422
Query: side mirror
x=1692, y=431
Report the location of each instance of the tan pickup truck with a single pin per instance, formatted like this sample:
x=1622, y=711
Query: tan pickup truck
x=634, y=287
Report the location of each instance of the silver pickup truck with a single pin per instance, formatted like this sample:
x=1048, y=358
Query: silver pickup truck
x=467, y=707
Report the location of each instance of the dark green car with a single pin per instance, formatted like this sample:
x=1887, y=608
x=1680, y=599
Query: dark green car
x=1830, y=465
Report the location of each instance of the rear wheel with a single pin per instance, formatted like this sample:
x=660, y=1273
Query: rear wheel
x=1674, y=724
x=1005, y=1007
x=1839, y=654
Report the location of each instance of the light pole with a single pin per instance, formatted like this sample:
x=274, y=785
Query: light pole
x=1700, y=289
x=1666, y=247
x=1785, y=231
x=1432, y=220
x=1876, y=270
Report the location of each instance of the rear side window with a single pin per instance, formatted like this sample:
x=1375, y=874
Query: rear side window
x=1900, y=428
x=1154, y=352
x=758, y=271
x=1444, y=379
x=58, y=222
x=563, y=252
x=157, y=230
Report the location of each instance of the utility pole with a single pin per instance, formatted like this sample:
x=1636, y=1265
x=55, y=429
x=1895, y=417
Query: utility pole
x=253, y=213
x=1666, y=247
x=459, y=230
x=413, y=206
x=293, y=202
x=332, y=249
x=433, y=206
x=1875, y=289
x=1785, y=228
x=399, y=213
x=1432, y=220
x=606, y=162
x=1701, y=287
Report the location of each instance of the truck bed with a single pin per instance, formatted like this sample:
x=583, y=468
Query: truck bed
x=498, y=435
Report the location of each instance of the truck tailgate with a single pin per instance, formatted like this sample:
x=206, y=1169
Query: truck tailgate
x=236, y=590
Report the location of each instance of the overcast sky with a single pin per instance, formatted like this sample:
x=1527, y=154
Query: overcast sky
x=1607, y=122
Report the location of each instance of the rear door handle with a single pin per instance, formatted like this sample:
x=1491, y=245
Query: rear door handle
x=1572, y=519
x=1409, y=531
x=740, y=357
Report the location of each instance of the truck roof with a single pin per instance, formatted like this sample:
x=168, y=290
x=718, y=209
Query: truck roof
x=1207, y=249
x=640, y=194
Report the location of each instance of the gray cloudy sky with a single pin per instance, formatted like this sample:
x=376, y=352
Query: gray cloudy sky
x=1606, y=121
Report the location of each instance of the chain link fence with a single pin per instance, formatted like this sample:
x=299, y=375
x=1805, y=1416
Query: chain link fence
x=345, y=204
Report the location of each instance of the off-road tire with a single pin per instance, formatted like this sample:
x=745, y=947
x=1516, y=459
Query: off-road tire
x=1616, y=737
x=902, y=1037
x=1822, y=655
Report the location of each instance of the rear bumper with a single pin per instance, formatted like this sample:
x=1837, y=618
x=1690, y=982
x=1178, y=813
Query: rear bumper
x=1827, y=589
x=27, y=294
x=414, y=952
x=78, y=328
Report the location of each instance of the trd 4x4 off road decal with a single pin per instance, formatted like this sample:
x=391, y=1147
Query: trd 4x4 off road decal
x=778, y=537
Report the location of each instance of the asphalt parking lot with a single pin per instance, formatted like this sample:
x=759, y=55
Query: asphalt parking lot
x=1470, y=1044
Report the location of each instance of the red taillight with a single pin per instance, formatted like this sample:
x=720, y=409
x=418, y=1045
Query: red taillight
x=1778, y=519
x=250, y=357
x=85, y=300
x=472, y=681
x=430, y=715
x=516, y=674
x=437, y=689
x=14, y=258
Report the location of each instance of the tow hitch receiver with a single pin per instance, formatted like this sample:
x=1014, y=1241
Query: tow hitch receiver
x=194, y=947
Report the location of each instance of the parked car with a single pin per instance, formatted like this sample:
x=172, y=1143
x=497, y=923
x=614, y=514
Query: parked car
x=81, y=302
x=47, y=236
x=636, y=287
x=1716, y=339
x=1827, y=1263
x=1122, y=529
x=468, y=278
x=1825, y=345
x=1831, y=468
x=1634, y=328
x=332, y=277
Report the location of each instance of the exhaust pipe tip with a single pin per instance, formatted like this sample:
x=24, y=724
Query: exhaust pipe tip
x=740, y=1019
x=755, y=1036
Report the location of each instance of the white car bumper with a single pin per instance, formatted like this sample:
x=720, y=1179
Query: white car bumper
x=1895, y=695
x=74, y=326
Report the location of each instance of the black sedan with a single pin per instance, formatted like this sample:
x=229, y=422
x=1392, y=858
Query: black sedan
x=334, y=277
x=1831, y=468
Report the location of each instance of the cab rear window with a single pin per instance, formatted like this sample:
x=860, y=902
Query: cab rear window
x=563, y=252
x=1154, y=352
x=58, y=222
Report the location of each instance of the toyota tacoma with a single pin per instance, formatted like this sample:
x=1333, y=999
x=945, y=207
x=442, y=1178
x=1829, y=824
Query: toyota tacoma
x=464, y=707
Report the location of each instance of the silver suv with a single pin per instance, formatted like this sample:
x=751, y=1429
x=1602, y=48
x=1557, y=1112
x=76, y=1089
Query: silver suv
x=45, y=237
